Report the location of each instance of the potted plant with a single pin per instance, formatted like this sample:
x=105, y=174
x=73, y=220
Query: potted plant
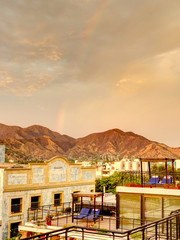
x=170, y=186
x=68, y=209
x=131, y=184
x=49, y=219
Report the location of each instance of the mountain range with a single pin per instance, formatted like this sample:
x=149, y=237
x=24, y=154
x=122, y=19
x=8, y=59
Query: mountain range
x=40, y=143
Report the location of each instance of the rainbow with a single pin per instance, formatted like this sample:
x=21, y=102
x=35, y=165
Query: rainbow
x=93, y=22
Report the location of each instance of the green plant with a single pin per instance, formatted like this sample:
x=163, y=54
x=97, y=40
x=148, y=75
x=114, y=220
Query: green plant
x=19, y=235
x=66, y=225
x=68, y=209
x=116, y=179
x=49, y=218
x=32, y=219
x=13, y=238
x=98, y=230
x=137, y=235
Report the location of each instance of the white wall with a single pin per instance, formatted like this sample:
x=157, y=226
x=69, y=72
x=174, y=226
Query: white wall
x=46, y=200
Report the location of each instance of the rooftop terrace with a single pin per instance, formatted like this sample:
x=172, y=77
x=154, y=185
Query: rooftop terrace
x=166, y=228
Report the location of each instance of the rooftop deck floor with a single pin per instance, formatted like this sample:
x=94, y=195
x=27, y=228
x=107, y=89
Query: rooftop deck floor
x=105, y=223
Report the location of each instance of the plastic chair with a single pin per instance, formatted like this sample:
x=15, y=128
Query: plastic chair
x=84, y=212
x=153, y=180
x=169, y=180
x=92, y=215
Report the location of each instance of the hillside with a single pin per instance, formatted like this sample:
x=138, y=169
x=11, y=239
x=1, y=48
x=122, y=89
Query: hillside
x=40, y=143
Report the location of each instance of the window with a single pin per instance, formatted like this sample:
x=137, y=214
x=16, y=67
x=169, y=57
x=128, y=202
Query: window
x=170, y=204
x=35, y=202
x=130, y=208
x=57, y=199
x=14, y=229
x=16, y=205
x=153, y=208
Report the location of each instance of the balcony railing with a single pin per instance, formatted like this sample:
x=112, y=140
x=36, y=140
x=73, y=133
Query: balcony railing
x=57, y=202
x=166, y=228
x=137, y=178
x=37, y=212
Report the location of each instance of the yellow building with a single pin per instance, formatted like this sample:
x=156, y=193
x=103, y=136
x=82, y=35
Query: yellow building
x=38, y=184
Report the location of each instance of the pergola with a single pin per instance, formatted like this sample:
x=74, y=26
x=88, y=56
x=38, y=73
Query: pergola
x=81, y=195
x=149, y=160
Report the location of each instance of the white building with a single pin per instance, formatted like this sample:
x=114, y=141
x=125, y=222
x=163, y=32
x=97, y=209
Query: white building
x=34, y=185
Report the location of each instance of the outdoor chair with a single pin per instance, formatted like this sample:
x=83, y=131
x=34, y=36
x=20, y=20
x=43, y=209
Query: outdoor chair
x=92, y=216
x=153, y=180
x=83, y=213
x=169, y=180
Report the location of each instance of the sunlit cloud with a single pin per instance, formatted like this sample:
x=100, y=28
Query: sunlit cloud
x=5, y=80
x=129, y=86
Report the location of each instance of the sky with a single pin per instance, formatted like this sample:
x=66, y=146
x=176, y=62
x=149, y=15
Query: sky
x=84, y=66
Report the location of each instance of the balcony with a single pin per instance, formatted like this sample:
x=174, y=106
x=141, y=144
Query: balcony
x=144, y=180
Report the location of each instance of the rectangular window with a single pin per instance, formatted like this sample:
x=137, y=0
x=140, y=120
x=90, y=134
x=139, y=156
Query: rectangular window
x=153, y=208
x=16, y=205
x=14, y=229
x=57, y=199
x=129, y=210
x=170, y=205
x=35, y=202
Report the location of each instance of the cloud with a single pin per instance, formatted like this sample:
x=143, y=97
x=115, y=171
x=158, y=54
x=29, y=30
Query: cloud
x=129, y=86
x=29, y=78
x=42, y=50
x=45, y=43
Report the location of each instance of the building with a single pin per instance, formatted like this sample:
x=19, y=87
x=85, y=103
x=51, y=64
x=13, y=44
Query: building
x=109, y=168
x=147, y=203
x=153, y=200
x=177, y=164
x=145, y=210
x=38, y=184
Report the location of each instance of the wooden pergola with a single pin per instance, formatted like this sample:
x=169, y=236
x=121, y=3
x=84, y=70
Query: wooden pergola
x=149, y=160
x=81, y=195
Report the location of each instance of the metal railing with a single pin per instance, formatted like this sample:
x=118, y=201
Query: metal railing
x=134, y=177
x=57, y=202
x=108, y=208
x=107, y=222
x=110, y=222
x=41, y=211
x=164, y=229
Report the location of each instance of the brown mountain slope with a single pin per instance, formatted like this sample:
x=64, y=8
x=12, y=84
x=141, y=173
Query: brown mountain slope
x=31, y=132
x=122, y=143
x=41, y=148
x=37, y=142
x=34, y=142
